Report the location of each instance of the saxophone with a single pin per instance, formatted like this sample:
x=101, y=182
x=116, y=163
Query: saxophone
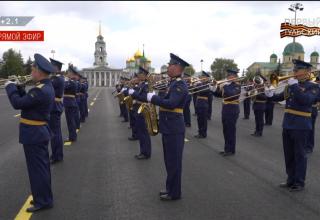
x=150, y=114
x=128, y=101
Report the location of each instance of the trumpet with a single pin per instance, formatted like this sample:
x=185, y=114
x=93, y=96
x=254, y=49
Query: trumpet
x=211, y=81
x=21, y=80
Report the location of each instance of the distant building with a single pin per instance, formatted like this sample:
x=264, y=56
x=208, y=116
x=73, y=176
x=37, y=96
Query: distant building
x=138, y=59
x=101, y=74
x=291, y=51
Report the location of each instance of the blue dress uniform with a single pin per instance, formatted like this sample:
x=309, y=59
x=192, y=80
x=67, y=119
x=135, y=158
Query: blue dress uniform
x=186, y=109
x=133, y=114
x=71, y=106
x=230, y=113
x=55, y=115
x=172, y=128
x=259, y=106
x=35, y=133
x=269, y=112
x=85, y=102
x=314, y=116
x=118, y=89
x=297, y=123
x=194, y=99
x=123, y=109
x=202, y=106
x=77, y=114
x=82, y=94
x=247, y=102
x=210, y=100
x=141, y=127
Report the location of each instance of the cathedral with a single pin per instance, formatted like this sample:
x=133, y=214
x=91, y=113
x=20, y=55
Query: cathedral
x=291, y=51
x=100, y=74
x=138, y=59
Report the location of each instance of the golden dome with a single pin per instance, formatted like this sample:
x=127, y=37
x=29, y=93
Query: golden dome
x=138, y=54
x=131, y=59
x=148, y=60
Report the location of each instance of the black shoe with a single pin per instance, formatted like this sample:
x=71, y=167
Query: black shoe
x=255, y=134
x=296, y=188
x=142, y=157
x=124, y=121
x=35, y=208
x=199, y=136
x=285, y=185
x=132, y=139
x=166, y=197
x=245, y=118
x=69, y=141
x=55, y=161
x=226, y=154
x=163, y=192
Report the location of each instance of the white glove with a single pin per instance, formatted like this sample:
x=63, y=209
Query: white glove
x=292, y=81
x=269, y=92
x=213, y=88
x=66, y=79
x=150, y=95
x=131, y=91
x=225, y=84
x=122, y=90
x=9, y=82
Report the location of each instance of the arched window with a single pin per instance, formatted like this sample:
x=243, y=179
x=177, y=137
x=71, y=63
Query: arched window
x=100, y=49
x=100, y=59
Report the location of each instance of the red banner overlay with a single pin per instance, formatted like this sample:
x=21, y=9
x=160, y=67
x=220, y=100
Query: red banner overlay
x=290, y=30
x=21, y=35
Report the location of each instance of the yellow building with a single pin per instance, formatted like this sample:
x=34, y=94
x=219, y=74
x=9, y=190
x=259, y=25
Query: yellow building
x=138, y=59
x=290, y=52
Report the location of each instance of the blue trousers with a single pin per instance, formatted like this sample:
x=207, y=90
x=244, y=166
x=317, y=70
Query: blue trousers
x=38, y=164
x=133, y=123
x=210, y=99
x=258, y=114
x=187, y=113
x=310, y=144
x=77, y=117
x=143, y=135
x=173, y=145
x=82, y=110
x=202, y=118
x=269, y=113
x=246, y=107
x=124, y=111
x=56, y=140
x=86, y=107
x=294, y=146
x=229, y=122
x=70, y=113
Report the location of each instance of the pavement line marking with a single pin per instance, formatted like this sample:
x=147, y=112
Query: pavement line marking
x=92, y=103
x=186, y=140
x=23, y=215
x=17, y=115
x=67, y=143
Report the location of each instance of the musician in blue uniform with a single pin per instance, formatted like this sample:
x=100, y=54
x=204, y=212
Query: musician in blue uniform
x=300, y=94
x=210, y=100
x=230, y=92
x=142, y=132
x=259, y=106
x=202, y=104
x=314, y=115
x=78, y=84
x=82, y=95
x=134, y=111
x=123, y=107
x=247, y=100
x=57, y=81
x=86, y=96
x=34, y=132
x=268, y=113
x=186, y=109
x=171, y=126
x=70, y=103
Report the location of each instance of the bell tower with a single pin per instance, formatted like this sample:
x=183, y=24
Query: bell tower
x=100, y=54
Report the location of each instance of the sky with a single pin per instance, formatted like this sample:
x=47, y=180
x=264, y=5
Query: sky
x=244, y=31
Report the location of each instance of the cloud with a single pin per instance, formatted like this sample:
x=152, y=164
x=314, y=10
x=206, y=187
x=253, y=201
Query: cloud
x=243, y=31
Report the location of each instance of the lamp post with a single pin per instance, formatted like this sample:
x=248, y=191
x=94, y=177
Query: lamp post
x=294, y=8
x=201, y=61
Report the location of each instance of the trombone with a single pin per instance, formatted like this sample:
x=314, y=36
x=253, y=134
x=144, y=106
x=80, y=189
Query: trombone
x=21, y=80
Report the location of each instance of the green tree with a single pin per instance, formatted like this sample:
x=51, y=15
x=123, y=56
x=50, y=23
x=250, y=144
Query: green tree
x=27, y=67
x=13, y=64
x=189, y=70
x=220, y=65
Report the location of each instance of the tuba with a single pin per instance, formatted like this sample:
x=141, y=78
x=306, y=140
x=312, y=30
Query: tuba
x=150, y=115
